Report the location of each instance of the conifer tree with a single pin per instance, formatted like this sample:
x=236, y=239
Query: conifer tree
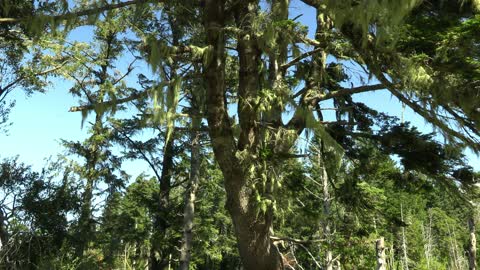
x=251, y=59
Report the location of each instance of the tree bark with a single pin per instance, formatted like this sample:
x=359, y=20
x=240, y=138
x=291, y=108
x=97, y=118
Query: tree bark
x=404, y=242
x=427, y=238
x=319, y=78
x=95, y=148
x=252, y=229
x=162, y=217
x=85, y=222
x=189, y=210
x=472, y=246
x=327, y=234
x=277, y=59
x=3, y=229
x=381, y=258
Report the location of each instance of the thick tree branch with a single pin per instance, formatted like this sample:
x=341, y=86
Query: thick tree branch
x=312, y=3
x=350, y=91
x=86, y=12
x=427, y=115
x=294, y=240
x=434, y=120
x=5, y=90
x=109, y=103
x=464, y=121
x=298, y=121
x=378, y=69
x=300, y=58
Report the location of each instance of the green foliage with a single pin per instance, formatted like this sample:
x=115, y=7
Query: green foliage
x=380, y=17
x=382, y=178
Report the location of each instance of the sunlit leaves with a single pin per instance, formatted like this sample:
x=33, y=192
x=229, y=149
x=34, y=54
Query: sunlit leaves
x=376, y=17
x=415, y=74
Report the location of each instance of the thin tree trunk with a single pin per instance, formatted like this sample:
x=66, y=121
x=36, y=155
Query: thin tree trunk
x=381, y=257
x=472, y=246
x=459, y=259
x=392, y=256
x=160, y=261
x=320, y=59
x=453, y=254
x=327, y=234
x=162, y=216
x=427, y=238
x=85, y=218
x=189, y=210
x=404, y=241
x=3, y=229
x=86, y=225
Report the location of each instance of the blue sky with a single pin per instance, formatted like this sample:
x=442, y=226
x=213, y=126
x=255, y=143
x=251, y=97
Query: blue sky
x=40, y=121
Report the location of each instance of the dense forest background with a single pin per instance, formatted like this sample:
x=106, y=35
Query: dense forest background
x=256, y=151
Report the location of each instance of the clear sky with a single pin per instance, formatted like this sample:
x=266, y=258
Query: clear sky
x=41, y=120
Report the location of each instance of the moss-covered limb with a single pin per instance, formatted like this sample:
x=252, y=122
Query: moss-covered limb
x=433, y=119
x=294, y=61
x=249, y=76
x=406, y=76
x=295, y=240
x=350, y=91
x=276, y=44
x=110, y=104
x=317, y=82
x=466, y=123
x=158, y=51
x=9, y=87
x=220, y=128
x=430, y=116
x=86, y=12
x=341, y=92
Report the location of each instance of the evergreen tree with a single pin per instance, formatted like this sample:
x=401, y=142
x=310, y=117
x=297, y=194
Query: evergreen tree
x=266, y=85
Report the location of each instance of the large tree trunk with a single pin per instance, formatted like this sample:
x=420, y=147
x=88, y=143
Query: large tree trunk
x=189, y=210
x=252, y=229
x=472, y=246
x=277, y=58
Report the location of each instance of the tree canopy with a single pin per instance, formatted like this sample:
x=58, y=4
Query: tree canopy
x=248, y=166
